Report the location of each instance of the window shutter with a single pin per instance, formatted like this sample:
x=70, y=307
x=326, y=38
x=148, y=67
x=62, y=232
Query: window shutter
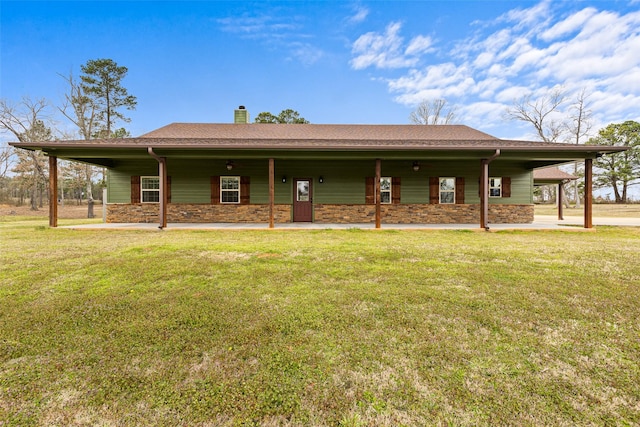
x=168, y=189
x=459, y=190
x=369, y=193
x=395, y=190
x=135, y=189
x=244, y=190
x=434, y=191
x=215, y=190
x=506, y=186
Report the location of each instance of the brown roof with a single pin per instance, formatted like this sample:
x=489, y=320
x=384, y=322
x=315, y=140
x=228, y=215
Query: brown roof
x=552, y=174
x=282, y=132
x=257, y=136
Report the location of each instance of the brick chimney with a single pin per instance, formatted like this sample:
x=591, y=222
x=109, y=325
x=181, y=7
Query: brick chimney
x=241, y=115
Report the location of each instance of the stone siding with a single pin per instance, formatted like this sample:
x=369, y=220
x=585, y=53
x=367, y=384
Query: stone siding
x=422, y=214
x=323, y=213
x=196, y=213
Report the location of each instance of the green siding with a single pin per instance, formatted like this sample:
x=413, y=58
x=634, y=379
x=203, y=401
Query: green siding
x=344, y=180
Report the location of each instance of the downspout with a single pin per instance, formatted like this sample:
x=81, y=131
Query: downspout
x=162, y=166
x=484, y=190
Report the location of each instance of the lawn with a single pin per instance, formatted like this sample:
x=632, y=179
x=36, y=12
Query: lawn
x=306, y=328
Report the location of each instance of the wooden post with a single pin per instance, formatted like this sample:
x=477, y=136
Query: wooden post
x=377, y=192
x=588, y=193
x=484, y=194
x=272, y=191
x=560, y=200
x=162, y=166
x=53, y=191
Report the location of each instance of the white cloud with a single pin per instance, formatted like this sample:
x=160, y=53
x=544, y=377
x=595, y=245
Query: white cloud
x=360, y=15
x=419, y=44
x=381, y=50
x=569, y=25
x=524, y=51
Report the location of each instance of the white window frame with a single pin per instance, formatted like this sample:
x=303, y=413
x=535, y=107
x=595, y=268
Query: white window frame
x=229, y=190
x=146, y=191
x=452, y=191
x=386, y=191
x=495, y=190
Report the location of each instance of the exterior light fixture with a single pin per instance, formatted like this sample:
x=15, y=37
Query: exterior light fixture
x=416, y=166
x=284, y=179
x=321, y=179
x=229, y=165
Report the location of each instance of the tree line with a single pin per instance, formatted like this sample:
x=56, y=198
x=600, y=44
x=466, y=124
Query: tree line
x=93, y=104
x=556, y=117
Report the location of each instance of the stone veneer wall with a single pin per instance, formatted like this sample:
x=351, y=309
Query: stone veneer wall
x=422, y=214
x=196, y=213
x=323, y=213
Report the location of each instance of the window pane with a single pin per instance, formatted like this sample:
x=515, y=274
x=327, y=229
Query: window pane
x=230, y=183
x=150, y=196
x=447, y=197
x=150, y=183
x=447, y=184
x=495, y=182
x=385, y=197
x=303, y=191
x=494, y=192
x=385, y=184
x=229, y=197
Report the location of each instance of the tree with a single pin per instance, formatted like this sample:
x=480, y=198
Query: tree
x=101, y=89
x=578, y=127
x=433, y=113
x=619, y=170
x=26, y=122
x=287, y=116
x=540, y=113
x=82, y=110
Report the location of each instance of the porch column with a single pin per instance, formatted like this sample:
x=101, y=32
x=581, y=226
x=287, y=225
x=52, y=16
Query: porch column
x=162, y=166
x=53, y=191
x=560, y=200
x=588, y=193
x=272, y=191
x=162, y=172
x=484, y=194
x=377, y=192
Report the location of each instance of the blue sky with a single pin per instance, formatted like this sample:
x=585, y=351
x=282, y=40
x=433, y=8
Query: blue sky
x=334, y=62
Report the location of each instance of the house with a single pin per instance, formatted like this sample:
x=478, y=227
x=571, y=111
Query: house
x=272, y=173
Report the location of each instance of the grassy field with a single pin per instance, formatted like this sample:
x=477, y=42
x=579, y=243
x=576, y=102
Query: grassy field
x=306, y=328
x=601, y=210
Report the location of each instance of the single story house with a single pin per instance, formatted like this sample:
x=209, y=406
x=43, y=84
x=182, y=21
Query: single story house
x=278, y=173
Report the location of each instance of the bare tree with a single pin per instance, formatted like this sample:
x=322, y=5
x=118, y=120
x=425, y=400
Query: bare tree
x=82, y=110
x=433, y=112
x=26, y=122
x=578, y=127
x=540, y=113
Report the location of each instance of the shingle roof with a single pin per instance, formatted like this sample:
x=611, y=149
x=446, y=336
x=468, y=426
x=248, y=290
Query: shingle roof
x=552, y=174
x=257, y=136
x=282, y=132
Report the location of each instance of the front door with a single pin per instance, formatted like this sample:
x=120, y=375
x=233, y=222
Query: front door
x=302, y=200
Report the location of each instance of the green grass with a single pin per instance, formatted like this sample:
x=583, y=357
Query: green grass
x=338, y=328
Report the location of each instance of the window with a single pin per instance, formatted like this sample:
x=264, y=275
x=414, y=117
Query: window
x=495, y=187
x=150, y=189
x=447, y=190
x=385, y=190
x=230, y=189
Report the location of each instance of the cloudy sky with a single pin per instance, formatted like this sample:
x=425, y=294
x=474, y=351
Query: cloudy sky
x=334, y=62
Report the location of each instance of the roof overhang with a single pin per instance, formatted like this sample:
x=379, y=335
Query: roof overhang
x=107, y=152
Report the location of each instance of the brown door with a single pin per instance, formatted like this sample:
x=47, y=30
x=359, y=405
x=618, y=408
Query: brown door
x=302, y=200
